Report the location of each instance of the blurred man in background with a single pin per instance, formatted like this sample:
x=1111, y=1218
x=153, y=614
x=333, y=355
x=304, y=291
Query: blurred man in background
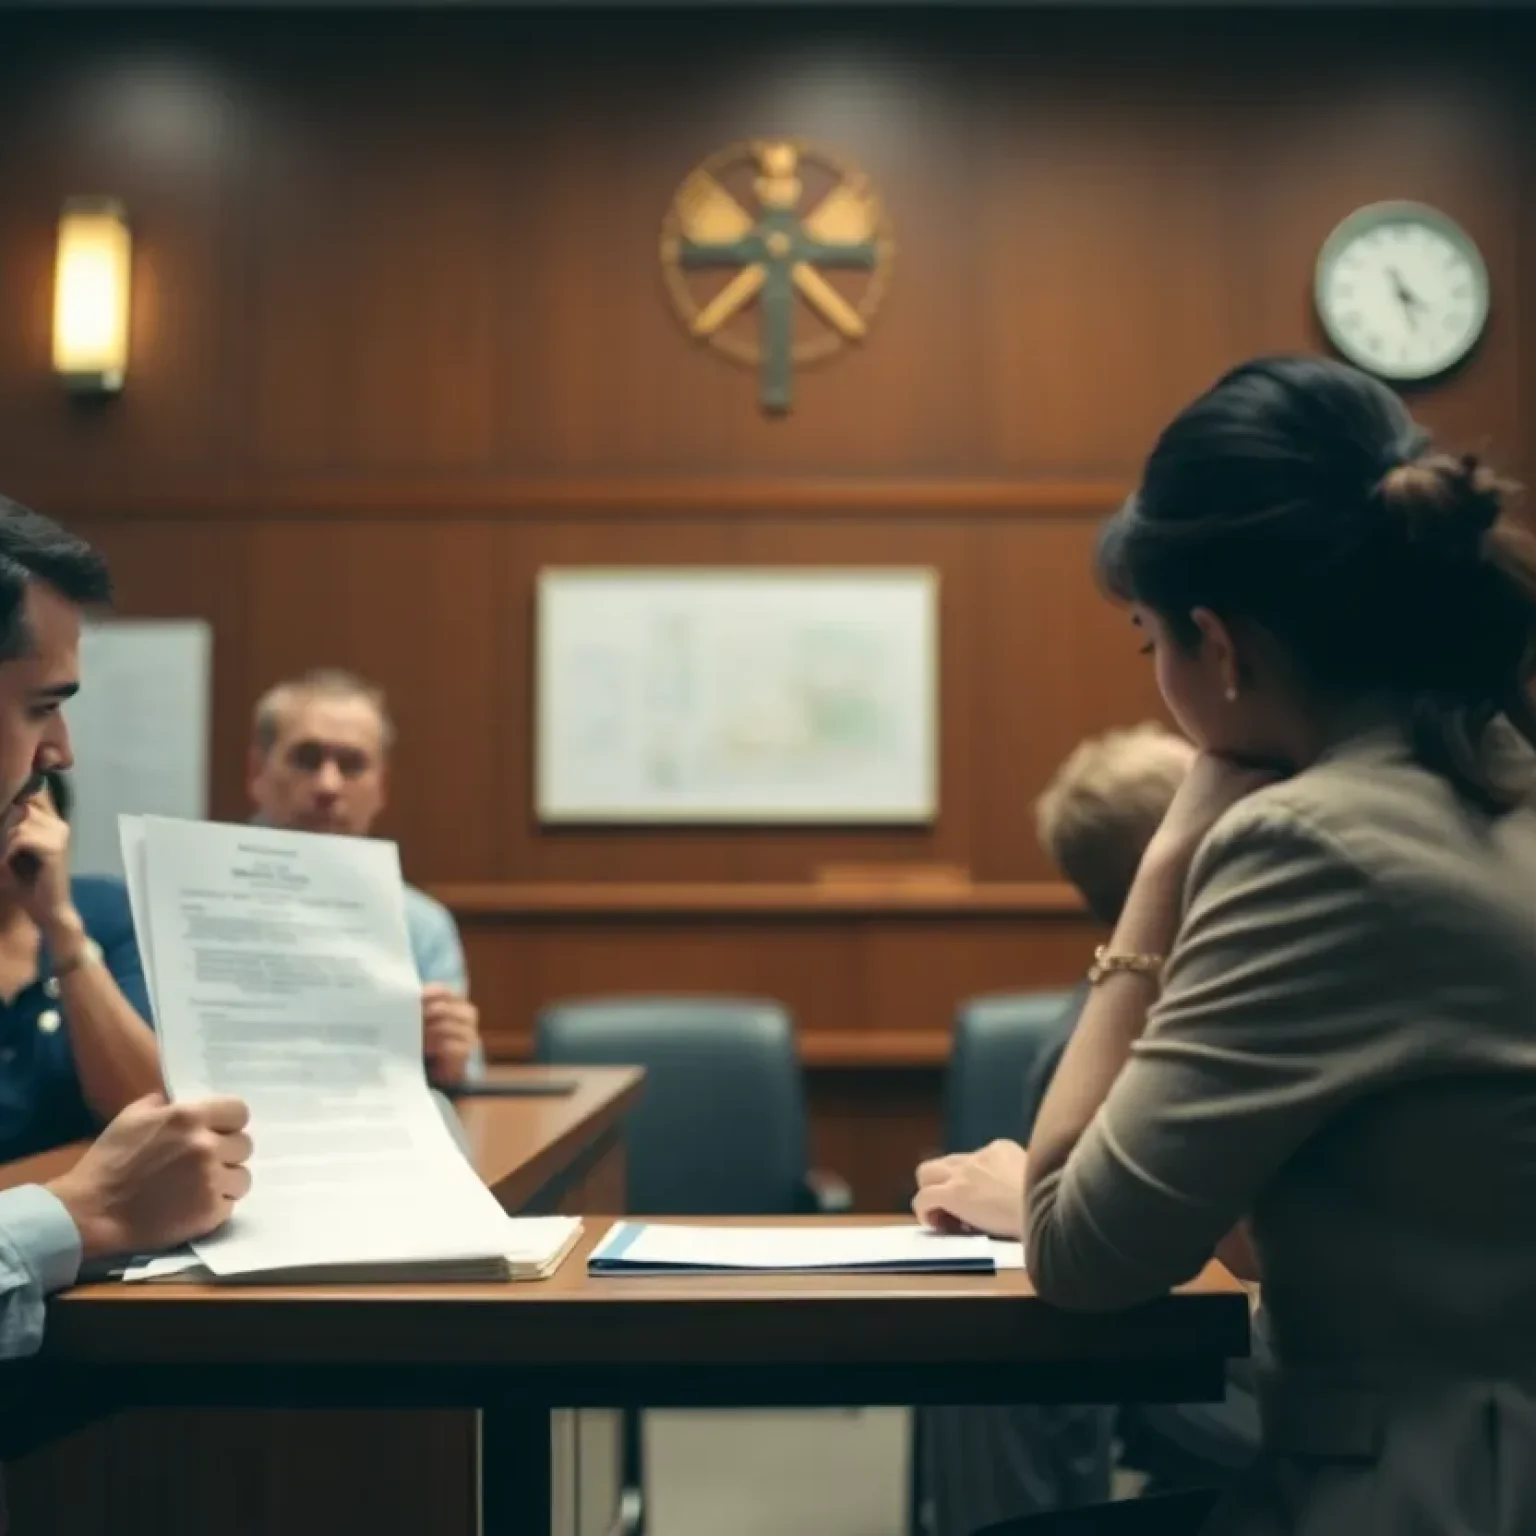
x=319, y=762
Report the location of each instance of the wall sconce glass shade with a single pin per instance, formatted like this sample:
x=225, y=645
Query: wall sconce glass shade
x=90, y=300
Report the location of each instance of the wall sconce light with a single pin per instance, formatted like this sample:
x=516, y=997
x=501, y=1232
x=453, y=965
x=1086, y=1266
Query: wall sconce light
x=90, y=299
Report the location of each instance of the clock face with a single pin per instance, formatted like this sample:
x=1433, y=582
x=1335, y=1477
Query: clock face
x=1402, y=291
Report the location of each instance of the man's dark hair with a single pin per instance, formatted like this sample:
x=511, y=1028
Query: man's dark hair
x=35, y=548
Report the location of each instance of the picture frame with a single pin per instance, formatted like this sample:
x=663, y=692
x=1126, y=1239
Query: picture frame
x=737, y=696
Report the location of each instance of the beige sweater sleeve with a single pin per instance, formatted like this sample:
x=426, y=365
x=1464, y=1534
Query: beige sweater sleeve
x=1276, y=1012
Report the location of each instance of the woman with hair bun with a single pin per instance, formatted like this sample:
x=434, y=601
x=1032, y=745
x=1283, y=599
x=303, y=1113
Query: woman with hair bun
x=1315, y=1024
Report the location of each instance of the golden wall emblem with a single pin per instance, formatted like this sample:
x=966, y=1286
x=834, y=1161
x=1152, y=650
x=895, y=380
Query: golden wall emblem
x=776, y=252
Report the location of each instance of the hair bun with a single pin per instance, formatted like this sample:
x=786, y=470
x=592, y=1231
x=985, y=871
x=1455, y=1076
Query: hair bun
x=1447, y=505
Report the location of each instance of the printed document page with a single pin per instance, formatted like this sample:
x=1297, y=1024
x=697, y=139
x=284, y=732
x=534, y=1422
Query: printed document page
x=281, y=972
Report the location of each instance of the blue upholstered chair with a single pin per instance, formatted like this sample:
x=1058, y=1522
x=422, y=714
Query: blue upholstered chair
x=997, y=1042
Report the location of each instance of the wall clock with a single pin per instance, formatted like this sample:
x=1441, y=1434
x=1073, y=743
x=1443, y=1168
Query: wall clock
x=1402, y=291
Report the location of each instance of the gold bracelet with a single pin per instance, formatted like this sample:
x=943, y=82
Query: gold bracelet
x=1106, y=964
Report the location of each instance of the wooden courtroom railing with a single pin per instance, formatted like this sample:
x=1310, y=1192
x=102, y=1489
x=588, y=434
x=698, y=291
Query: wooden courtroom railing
x=522, y=496
x=871, y=960
x=803, y=899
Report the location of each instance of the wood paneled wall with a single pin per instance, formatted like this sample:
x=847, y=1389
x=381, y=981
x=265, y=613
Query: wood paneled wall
x=399, y=341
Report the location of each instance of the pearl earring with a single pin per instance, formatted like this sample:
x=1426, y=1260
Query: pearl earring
x=1232, y=694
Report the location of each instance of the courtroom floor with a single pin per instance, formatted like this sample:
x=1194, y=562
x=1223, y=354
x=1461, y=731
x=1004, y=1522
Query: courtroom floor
x=755, y=1473
x=750, y=1472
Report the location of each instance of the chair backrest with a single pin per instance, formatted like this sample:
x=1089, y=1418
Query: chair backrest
x=996, y=1044
x=720, y=1127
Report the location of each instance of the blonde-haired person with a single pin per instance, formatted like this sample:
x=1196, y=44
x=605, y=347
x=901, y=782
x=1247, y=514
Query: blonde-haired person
x=1102, y=805
x=1339, y=1042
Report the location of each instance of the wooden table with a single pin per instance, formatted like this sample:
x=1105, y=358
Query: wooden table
x=248, y=1472
x=557, y=1152
x=520, y=1351
x=561, y=1153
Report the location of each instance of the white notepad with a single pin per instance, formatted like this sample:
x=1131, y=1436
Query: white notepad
x=1007, y=1255
x=666, y=1248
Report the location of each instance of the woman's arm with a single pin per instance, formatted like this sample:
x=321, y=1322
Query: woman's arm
x=1116, y=1011
x=1114, y=1016
x=1273, y=1017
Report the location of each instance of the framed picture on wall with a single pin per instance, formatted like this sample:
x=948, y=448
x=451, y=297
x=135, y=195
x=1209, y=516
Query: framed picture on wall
x=740, y=696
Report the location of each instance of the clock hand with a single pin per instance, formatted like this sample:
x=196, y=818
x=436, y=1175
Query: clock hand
x=1406, y=297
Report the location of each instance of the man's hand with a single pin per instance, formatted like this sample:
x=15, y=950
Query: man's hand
x=159, y=1175
x=974, y=1191
x=450, y=1028
x=37, y=852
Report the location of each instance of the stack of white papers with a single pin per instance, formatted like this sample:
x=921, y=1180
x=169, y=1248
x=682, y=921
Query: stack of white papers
x=664, y=1248
x=536, y=1245
x=280, y=971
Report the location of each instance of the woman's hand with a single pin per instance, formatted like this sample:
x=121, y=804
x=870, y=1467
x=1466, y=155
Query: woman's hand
x=974, y=1191
x=1210, y=789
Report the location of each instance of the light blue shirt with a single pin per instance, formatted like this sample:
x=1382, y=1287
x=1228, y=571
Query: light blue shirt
x=435, y=941
x=39, y=1254
x=439, y=955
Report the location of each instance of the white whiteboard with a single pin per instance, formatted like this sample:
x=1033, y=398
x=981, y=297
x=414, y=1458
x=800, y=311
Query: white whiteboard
x=139, y=727
x=741, y=696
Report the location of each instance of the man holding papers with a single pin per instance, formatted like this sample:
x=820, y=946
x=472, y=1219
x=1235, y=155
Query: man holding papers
x=160, y=1173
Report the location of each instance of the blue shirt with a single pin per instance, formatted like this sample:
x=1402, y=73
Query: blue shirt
x=435, y=941
x=41, y=1104
x=39, y=1254
x=439, y=955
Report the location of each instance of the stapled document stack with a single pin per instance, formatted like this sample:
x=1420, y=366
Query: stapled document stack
x=537, y=1246
x=280, y=971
